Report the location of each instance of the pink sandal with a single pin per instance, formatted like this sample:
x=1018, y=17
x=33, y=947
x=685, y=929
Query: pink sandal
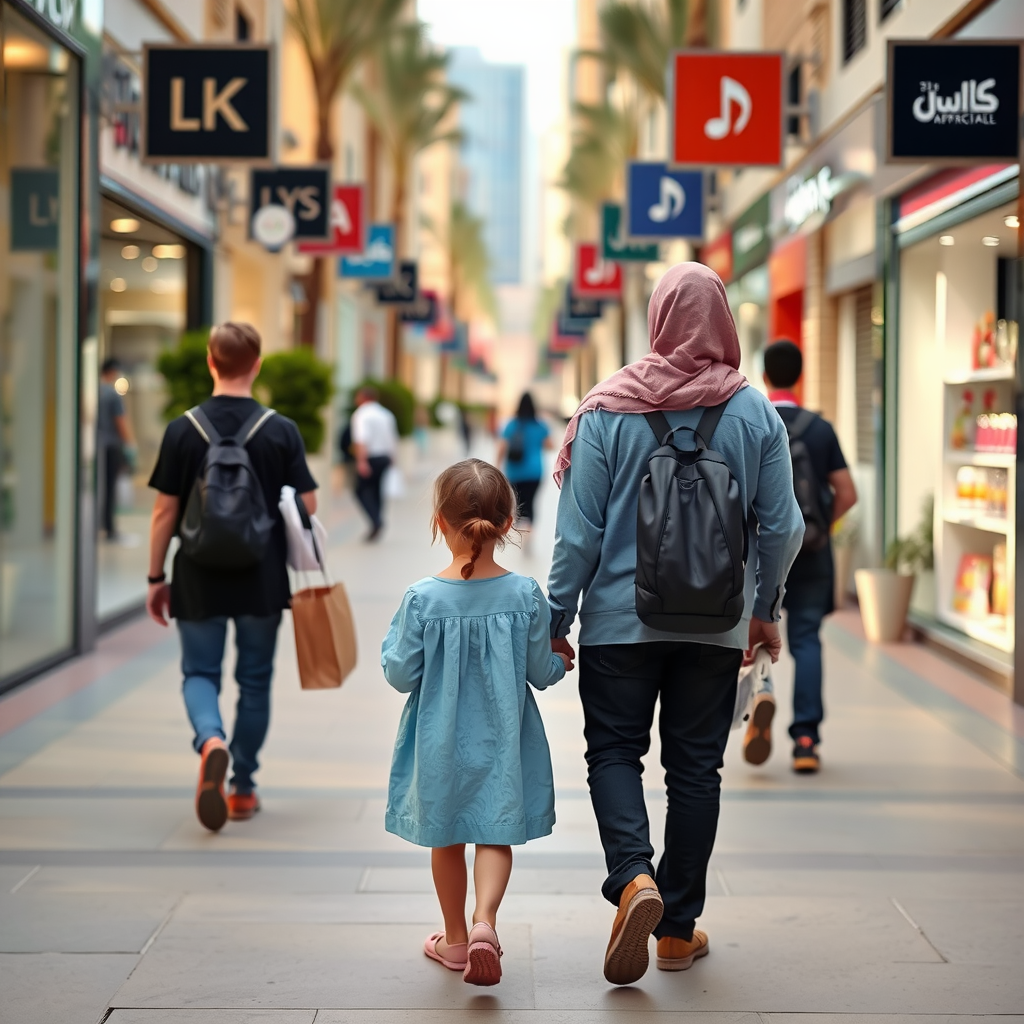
x=430, y=948
x=484, y=956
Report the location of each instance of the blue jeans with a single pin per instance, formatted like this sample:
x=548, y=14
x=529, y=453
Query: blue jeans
x=202, y=654
x=807, y=603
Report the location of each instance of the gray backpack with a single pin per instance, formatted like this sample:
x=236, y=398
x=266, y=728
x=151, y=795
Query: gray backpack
x=226, y=523
x=691, y=534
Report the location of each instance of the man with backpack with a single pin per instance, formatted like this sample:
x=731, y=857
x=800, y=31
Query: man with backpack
x=677, y=523
x=825, y=491
x=219, y=477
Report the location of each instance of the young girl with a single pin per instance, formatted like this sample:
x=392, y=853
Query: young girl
x=471, y=760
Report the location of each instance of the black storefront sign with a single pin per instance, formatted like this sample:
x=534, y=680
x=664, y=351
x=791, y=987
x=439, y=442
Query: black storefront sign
x=403, y=289
x=207, y=103
x=581, y=309
x=422, y=310
x=956, y=101
x=304, y=191
x=35, y=208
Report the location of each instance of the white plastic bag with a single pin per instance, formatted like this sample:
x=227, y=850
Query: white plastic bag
x=393, y=484
x=305, y=534
x=124, y=493
x=754, y=678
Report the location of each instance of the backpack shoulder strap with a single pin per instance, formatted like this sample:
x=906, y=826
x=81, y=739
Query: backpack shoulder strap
x=202, y=423
x=252, y=425
x=658, y=422
x=709, y=421
x=800, y=423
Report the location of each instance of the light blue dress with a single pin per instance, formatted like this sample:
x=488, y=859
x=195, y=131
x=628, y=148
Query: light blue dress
x=471, y=760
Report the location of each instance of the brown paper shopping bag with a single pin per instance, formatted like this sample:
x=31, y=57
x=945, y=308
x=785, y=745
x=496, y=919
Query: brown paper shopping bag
x=325, y=636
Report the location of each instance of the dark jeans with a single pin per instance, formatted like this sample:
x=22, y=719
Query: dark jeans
x=368, y=489
x=202, y=654
x=526, y=494
x=619, y=686
x=111, y=467
x=807, y=603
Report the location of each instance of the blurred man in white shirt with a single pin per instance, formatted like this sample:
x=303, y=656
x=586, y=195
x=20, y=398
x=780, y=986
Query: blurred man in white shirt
x=374, y=442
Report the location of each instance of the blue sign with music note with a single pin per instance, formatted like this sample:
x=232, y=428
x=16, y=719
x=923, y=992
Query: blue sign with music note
x=664, y=203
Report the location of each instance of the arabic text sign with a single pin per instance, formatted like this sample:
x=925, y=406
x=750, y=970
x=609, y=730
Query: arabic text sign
x=207, y=103
x=615, y=247
x=955, y=100
x=303, y=191
x=348, y=224
x=727, y=109
x=593, y=276
x=663, y=203
x=377, y=261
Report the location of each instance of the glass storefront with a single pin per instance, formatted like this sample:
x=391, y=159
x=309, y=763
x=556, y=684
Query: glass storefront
x=39, y=233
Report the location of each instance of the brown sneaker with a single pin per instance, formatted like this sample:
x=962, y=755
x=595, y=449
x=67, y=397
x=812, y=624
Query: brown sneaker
x=242, y=806
x=211, y=807
x=757, y=743
x=679, y=954
x=805, y=756
x=640, y=910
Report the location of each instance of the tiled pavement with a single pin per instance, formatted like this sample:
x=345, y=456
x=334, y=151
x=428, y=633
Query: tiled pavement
x=890, y=885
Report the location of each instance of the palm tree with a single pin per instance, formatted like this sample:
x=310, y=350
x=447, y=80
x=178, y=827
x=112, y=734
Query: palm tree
x=469, y=265
x=411, y=106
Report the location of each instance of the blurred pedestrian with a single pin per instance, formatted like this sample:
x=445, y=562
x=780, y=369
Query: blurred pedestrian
x=690, y=377
x=521, y=455
x=115, y=443
x=465, y=428
x=231, y=564
x=471, y=761
x=421, y=430
x=825, y=491
x=374, y=444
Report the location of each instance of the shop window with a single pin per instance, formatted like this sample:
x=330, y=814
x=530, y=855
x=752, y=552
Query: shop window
x=855, y=28
x=886, y=7
x=865, y=376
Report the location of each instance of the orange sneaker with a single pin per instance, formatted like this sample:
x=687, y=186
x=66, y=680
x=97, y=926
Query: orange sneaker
x=211, y=807
x=757, y=743
x=679, y=954
x=242, y=806
x=640, y=910
x=805, y=756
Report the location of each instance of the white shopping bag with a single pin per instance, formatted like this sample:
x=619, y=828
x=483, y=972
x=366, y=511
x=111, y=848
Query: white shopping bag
x=754, y=678
x=393, y=484
x=305, y=534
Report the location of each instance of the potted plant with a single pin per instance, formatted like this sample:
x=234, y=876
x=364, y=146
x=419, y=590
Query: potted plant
x=845, y=536
x=884, y=594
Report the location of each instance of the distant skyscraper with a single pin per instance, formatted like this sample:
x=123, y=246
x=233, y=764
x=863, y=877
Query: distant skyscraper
x=492, y=154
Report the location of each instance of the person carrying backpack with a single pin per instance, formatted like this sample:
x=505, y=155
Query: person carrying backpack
x=680, y=546
x=218, y=480
x=521, y=454
x=825, y=491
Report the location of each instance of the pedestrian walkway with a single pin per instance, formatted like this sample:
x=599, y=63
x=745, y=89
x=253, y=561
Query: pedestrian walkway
x=892, y=884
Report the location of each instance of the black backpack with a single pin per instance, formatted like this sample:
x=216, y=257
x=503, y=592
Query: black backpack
x=226, y=523
x=811, y=495
x=691, y=535
x=517, y=444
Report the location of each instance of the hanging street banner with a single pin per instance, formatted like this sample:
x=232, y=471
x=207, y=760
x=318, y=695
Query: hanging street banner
x=664, y=203
x=422, y=310
x=577, y=308
x=35, y=208
x=403, y=289
x=954, y=100
x=207, y=103
x=377, y=261
x=303, y=191
x=751, y=239
x=726, y=109
x=615, y=247
x=594, y=277
x=347, y=218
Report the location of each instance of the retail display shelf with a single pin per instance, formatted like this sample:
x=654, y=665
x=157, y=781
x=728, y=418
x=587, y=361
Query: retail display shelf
x=990, y=524
x=969, y=457
x=1007, y=371
x=990, y=630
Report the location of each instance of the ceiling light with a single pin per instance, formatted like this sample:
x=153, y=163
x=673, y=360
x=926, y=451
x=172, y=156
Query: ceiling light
x=149, y=264
x=118, y=284
x=124, y=225
x=946, y=239
x=169, y=252
x=130, y=252
x=121, y=385
x=1011, y=220
x=990, y=240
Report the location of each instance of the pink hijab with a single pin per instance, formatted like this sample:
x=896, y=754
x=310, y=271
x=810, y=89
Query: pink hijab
x=694, y=358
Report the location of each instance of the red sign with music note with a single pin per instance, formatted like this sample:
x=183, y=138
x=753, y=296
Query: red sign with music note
x=727, y=109
x=593, y=276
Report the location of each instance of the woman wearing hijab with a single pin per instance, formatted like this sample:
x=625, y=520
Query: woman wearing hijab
x=625, y=666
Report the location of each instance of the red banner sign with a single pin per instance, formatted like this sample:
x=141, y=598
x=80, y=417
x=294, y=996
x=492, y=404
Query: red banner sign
x=347, y=222
x=727, y=109
x=593, y=276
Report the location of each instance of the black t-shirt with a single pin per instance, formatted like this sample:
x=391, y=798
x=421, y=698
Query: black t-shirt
x=278, y=458
x=826, y=458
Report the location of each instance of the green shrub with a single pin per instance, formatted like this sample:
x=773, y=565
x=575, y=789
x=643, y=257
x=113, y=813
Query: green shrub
x=186, y=373
x=396, y=398
x=298, y=385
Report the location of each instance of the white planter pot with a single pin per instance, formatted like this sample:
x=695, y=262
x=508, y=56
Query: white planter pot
x=884, y=598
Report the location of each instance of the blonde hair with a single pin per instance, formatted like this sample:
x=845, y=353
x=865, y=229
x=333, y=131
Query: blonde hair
x=476, y=502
